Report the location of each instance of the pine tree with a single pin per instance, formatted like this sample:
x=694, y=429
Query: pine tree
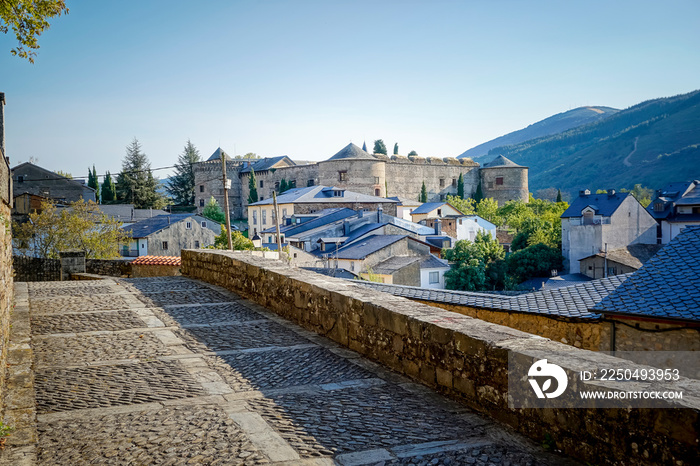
x=559, y=199
x=181, y=185
x=94, y=183
x=109, y=191
x=252, y=187
x=423, y=193
x=460, y=186
x=479, y=194
x=283, y=186
x=396, y=148
x=379, y=147
x=136, y=184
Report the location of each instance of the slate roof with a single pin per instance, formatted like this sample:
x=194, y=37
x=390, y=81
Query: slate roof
x=671, y=195
x=363, y=248
x=428, y=207
x=351, y=151
x=634, y=255
x=604, y=204
x=338, y=273
x=331, y=215
x=572, y=302
x=394, y=264
x=217, y=155
x=666, y=287
x=146, y=227
x=501, y=161
x=549, y=283
x=157, y=260
x=405, y=201
x=432, y=262
x=316, y=194
x=267, y=163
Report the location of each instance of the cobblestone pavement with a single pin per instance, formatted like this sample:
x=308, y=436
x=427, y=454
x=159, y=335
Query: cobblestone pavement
x=175, y=371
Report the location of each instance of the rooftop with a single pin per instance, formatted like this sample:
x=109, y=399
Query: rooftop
x=316, y=194
x=501, y=161
x=634, y=255
x=603, y=204
x=363, y=248
x=157, y=260
x=148, y=226
x=666, y=287
x=351, y=151
x=267, y=163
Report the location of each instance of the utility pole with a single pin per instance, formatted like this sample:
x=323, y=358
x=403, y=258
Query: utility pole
x=277, y=224
x=226, y=210
x=605, y=262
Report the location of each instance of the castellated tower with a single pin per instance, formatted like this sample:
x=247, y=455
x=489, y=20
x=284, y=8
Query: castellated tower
x=504, y=180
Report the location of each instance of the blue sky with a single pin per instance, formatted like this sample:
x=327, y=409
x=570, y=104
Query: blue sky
x=304, y=78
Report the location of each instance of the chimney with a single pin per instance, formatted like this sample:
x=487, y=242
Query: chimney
x=2, y=124
x=438, y=227
x=360, y=213
x=584, y=192
x=346, y=228
x=380, y=214
x=611, y=192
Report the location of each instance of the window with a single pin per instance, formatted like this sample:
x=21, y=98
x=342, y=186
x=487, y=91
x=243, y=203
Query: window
x=261, y=183
x=255, y=218
x=284, y=213
x=165, y=245
x=658, y=206
x=377, y=192
x=196, y=244
x=439, y=212
x=264, y=217
x=442, y=182
x=269, y=239
x=310, y=183
x=352, y=266
x=277, y=186
x=434, y=277
x=499, y=181
x=612, y=271
x=454, y=182
x=201, y=203
x=188, y=225
x=20, y=178
x=376, y=180
x=201, y=188
x=204, y=224
x=343, y=176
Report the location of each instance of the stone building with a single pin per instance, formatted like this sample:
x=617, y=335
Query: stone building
x=32, y=179
x=354, y=169
x=167, y=235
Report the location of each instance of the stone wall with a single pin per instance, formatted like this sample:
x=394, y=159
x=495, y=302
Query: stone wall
x=6, y=280
x=208, y=183
x=109, y=267
x=34, y=269
x=461, y=356
x=142, y=270
x=514, y=185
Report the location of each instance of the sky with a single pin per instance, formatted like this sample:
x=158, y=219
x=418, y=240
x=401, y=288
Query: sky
x=305, y=78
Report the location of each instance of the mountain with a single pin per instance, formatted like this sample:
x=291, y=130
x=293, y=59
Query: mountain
x=552, y=125
x=653, y=143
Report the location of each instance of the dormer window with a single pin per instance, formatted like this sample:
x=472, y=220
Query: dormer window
x=658, y=207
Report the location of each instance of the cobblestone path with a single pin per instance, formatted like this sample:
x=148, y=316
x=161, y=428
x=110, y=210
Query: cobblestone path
x=172, y=371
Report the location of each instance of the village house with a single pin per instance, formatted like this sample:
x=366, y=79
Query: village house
x=675, y=207
x=618, y=261
x=261, y=215
x=405, y=207
x=434, y=210
x=167, y=235
x=30, y=179
x=596, y=222
x=464, y=227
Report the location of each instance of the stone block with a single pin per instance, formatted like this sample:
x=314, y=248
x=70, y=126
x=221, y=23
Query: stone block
x=444, y=377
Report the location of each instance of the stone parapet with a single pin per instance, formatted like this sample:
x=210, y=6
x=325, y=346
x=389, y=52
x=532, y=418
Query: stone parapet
x=459, y=355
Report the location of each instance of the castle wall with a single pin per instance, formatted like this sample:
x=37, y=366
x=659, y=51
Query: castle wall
x=358, y=175
x=300, y=175
x=514, y=184
x=208, y=183
x=405, y=177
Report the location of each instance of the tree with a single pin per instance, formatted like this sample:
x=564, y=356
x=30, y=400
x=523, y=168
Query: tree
x=466, y=206
x=283, y=185
x=28, y=19
x=423, y=193
x=488, y=210
x=94, y=182
x=412, y=153
x=559, y=199
x=213, y=211
x=238, y=241
x=248, y=156
x=479, y=194
x=537, y=260
x=642, y=195
x=135, y=184
x=460, y=187
x=396, y=148
x=379, y=147
x=83, y=226
x=252, y=188
x=476, y=266
x=109, y=190
x=181, y=185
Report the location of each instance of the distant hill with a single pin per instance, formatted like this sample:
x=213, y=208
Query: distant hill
x=552, y=125
x=653, y=143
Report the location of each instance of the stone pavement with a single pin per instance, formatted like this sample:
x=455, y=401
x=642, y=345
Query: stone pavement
x=175, y=371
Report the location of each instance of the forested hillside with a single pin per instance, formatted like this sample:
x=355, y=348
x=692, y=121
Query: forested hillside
x=652, y=143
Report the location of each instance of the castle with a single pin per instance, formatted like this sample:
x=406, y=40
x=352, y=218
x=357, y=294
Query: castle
x=356, y=170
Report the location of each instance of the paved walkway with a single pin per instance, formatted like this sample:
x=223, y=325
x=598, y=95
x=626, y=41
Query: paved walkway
x=175, y=371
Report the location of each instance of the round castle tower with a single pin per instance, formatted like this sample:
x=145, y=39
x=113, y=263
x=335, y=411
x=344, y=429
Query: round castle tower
x=504, y=180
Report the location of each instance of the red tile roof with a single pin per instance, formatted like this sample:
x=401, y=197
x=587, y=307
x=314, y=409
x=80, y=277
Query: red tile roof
x=157, y=260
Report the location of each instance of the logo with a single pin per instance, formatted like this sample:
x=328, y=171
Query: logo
x=541, y=375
